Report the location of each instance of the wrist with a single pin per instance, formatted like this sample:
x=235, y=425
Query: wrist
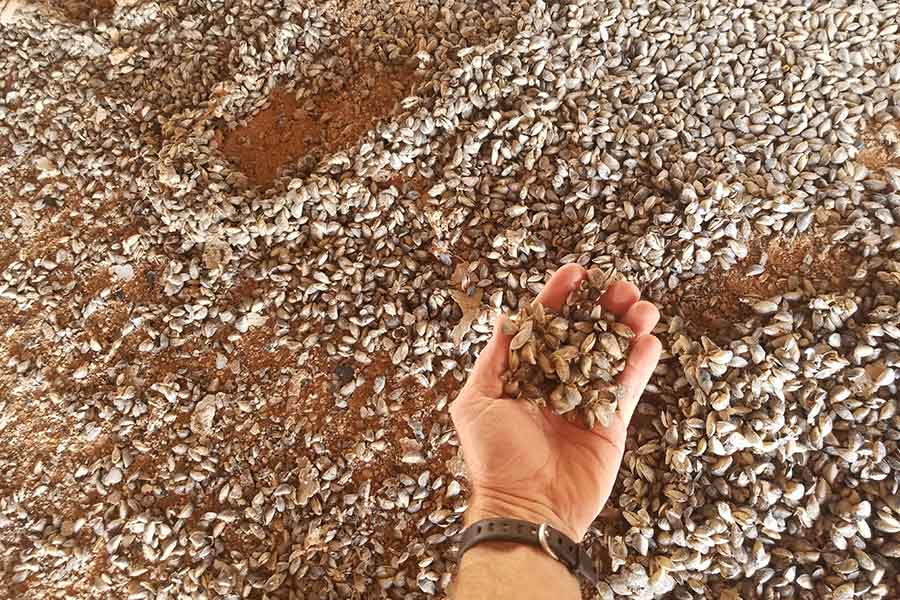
x=508, y=570
x=489, y=504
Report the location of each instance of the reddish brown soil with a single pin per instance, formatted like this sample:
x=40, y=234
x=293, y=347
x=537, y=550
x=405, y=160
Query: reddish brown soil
x=83, y=10
x=287, y=130
x=713, y=301
x=876, y=153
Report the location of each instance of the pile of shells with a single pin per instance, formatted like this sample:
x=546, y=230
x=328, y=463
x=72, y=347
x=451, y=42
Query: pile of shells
x=569, y=360
x=779, y=441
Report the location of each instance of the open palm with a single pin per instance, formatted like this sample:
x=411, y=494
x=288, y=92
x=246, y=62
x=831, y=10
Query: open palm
x=526, y=462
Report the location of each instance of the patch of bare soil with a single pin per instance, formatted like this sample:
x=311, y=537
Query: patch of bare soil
x=715, y=300
x=85, y=10
x=881, y=146
x=289, y=130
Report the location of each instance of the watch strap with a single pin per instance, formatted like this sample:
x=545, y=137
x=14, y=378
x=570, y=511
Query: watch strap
x=554, y=542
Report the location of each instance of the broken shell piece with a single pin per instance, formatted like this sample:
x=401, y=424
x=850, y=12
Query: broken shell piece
x=523, y=336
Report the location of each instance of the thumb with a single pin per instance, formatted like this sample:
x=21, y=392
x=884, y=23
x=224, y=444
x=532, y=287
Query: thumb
x=487, y=373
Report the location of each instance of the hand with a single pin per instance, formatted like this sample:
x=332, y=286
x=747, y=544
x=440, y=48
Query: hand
x=528, y=463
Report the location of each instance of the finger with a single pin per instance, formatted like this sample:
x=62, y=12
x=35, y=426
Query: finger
x=642, y=359
x=619, y=297
x=561, y=284
x=642, y=317
x=491, y=363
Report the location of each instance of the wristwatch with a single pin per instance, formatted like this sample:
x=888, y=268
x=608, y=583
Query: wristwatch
x=555, y=543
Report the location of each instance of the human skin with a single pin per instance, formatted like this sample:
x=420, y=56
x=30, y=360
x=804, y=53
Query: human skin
x=527, y=463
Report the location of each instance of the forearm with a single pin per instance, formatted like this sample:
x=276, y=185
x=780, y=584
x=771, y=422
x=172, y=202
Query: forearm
x=501, y=570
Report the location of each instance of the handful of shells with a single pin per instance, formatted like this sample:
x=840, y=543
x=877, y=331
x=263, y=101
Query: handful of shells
x=569, y=360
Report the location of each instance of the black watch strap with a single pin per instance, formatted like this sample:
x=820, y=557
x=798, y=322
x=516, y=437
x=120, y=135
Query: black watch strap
x=554, y=542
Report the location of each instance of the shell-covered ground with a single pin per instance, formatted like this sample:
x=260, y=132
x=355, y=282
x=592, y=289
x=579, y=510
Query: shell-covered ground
x=248, y=250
